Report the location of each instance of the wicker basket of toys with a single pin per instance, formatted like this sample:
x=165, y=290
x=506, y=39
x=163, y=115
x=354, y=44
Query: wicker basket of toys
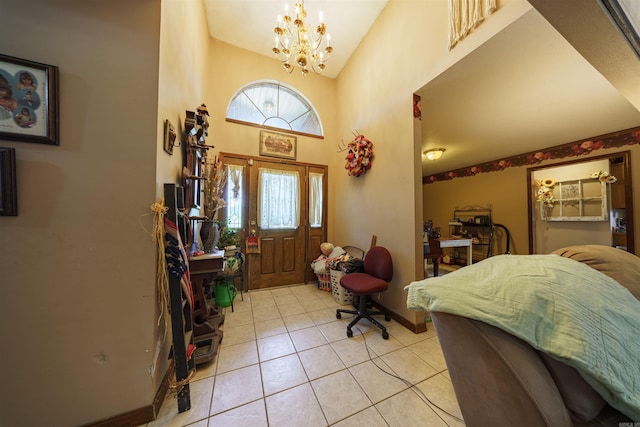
x=324, y=281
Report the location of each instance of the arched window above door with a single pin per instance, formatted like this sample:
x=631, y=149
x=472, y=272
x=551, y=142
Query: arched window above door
x=275, y=105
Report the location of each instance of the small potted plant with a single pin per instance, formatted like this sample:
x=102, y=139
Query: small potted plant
x=230, y=242
x=229, y=238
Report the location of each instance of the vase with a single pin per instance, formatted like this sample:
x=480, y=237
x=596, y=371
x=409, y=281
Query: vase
x=209, y=235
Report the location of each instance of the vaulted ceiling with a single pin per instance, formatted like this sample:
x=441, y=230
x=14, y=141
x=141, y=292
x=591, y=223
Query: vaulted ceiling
x=249, y=24
x=533, y=85
x=525, y=89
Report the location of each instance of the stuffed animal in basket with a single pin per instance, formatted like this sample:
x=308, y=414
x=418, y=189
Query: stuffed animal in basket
x=320, y=266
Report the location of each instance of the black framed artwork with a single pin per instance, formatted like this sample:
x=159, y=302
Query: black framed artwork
x=28, y=101
x=8, y=194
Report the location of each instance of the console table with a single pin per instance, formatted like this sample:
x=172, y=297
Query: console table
x=456, y=242
x=203, y=269
x=207, y=263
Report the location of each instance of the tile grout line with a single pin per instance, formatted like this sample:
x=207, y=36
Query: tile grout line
x=264, y=395
x=329, y=342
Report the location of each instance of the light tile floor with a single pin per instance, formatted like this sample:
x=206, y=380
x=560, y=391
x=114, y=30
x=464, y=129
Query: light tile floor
x=285, y=360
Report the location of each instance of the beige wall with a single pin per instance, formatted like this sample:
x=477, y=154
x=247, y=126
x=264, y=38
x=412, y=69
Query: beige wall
x=372, y=95
x=506, y=192
x=77, y=265
x=231, y=68
x=375, y=97
x=182, y=77
x=181, y=86
x=552, y=235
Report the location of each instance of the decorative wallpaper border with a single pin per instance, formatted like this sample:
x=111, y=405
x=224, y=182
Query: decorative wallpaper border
x=572, y=149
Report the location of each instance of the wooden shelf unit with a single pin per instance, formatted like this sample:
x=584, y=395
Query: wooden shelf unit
x=476, y=224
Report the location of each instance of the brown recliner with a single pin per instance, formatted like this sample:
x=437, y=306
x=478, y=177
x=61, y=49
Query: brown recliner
x=500, y=380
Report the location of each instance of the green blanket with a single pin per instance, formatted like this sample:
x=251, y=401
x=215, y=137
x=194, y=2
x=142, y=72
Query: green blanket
x=560, y=306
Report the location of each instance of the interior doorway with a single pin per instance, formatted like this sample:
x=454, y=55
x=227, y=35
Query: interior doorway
x=550, y=228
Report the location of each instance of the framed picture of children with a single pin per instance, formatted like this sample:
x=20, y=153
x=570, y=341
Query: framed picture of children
x=28, y=101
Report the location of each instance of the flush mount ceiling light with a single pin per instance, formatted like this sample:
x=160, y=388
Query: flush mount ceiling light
x=434, y=153
x=296, y=45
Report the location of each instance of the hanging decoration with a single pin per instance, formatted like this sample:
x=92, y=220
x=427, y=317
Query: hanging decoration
x=545, y=192
x=465, y=15
x=604, y=176
x=360, y=156
x=546, y=186
x=162, y=279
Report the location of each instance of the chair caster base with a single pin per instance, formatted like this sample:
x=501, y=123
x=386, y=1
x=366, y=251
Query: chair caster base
x=338, y=316
x=349, y=333
x=385, y=335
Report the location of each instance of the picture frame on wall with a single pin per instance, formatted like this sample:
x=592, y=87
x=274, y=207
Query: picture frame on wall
x=8, y=189
x=170, y=136
x=29, y=101
x=274, y=144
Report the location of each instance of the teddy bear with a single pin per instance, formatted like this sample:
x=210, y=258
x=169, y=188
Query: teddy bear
x=321, y=268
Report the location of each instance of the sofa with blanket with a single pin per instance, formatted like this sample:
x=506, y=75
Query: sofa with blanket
x=541, y=340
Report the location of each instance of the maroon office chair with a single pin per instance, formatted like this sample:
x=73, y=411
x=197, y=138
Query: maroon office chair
x=378, y=271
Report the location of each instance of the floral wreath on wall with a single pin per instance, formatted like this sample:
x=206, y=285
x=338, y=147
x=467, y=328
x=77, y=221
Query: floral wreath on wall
x=359, y=157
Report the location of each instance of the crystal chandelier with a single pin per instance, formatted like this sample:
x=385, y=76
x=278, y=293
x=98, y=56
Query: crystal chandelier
x=296, y=45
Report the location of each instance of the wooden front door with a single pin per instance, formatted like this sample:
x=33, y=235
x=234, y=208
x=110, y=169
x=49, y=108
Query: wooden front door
x=286, y=251
x=281, y=260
